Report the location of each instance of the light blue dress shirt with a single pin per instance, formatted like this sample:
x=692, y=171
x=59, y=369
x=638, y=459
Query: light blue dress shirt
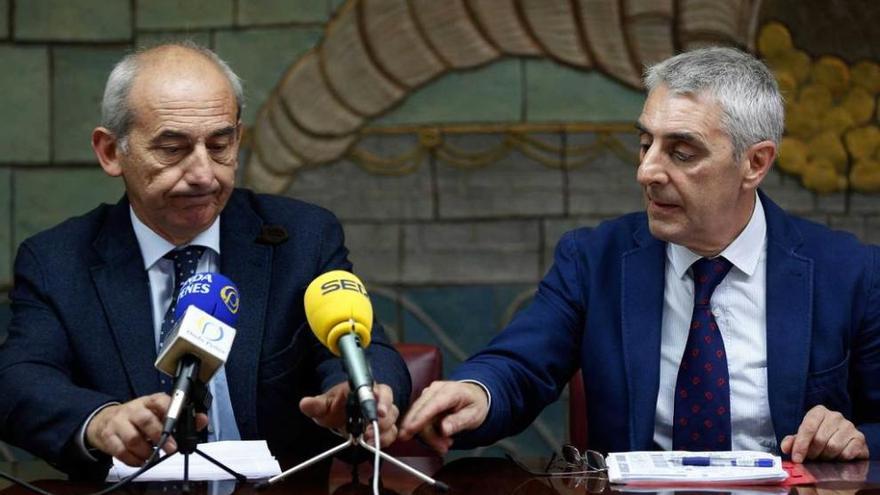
x=221, y=424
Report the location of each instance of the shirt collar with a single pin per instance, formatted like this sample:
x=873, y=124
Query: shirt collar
x=741, y=252
x=154, y=247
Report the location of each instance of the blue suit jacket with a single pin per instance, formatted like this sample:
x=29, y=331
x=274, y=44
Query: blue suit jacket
x=82, y=331
x=600, y=308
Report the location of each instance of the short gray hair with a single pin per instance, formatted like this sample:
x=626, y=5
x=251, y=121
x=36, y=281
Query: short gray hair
x=116, y=112
x=745, y=89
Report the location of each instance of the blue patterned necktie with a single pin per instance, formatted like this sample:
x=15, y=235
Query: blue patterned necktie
x=186, y=262
x=702, y=391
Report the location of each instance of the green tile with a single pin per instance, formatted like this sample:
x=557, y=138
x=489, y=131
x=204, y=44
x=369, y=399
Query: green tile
x=24, y=98
x=183, y=14
x=253, y=12
x=5, y=232
x=487, y=94
x=64, y=20
x=79, y=77
x=563, y=94
x=153, y=38
x=243, y=50
x=4, y=18
x=335, y=4
x=74, y=192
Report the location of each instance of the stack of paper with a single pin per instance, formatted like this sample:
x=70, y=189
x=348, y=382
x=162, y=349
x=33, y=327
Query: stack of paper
x=735, y=468
x=250, y=458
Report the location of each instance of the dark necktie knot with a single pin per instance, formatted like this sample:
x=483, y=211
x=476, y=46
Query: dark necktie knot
x=186, y=263
x=708, y=273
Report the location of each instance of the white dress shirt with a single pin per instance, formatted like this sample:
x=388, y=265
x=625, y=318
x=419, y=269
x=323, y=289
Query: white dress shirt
x=739, y=307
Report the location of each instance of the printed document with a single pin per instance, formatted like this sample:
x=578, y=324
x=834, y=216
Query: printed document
x=733, y=468
x=250, y=458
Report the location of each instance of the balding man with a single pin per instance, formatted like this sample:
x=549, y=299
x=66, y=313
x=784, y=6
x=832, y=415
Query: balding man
x=76, y=373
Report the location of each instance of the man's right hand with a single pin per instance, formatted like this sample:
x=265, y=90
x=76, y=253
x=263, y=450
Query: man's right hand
x=444, y=409
x=129, y=431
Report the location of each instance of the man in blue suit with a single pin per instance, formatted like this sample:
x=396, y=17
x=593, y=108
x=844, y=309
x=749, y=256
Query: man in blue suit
x=76, y=374
x=712, y=321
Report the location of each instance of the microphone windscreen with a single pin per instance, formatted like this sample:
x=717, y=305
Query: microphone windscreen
x=212, y=293
x=337, y=304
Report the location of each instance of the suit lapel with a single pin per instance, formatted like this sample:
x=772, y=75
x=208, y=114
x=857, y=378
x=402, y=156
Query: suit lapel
x=248, y=265
x=789, y=320
x=123, y=288
x=641, y=317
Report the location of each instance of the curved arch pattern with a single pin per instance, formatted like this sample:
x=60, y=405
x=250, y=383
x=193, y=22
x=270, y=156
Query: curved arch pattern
x=376, y=52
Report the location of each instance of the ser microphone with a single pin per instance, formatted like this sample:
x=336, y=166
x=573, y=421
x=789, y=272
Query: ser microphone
x=340, y=314
x=199, y=342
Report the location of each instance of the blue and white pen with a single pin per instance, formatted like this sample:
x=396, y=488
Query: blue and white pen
x=725, y=461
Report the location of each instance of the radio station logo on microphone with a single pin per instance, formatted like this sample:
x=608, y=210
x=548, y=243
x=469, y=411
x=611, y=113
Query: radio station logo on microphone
x=211, y=331
x=343, y=284
x=230, y=298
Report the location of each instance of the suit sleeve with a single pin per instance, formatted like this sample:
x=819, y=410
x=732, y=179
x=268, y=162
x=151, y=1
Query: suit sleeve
x=43, y=408
x=866, y=363
x=386, y=363
x=528, y=364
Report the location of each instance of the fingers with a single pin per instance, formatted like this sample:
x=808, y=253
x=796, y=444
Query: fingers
x=856, y=448
x=388, y=414
x=315, y=407
x=444, y=409
x=129, y=431
x=825, y=434
x=327, y=409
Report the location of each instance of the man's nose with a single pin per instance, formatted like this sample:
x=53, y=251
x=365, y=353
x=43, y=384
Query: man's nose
x=651, y=168
x=199, y=170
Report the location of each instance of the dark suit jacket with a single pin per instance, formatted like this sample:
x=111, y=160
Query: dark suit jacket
x=600, y=308
x=82, y=331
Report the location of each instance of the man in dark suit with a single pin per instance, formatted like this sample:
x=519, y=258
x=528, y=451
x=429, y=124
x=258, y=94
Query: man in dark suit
x=76, y=373
x=712, y=321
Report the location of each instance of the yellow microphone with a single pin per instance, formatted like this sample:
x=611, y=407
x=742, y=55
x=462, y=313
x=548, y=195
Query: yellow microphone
x=337, y=304
x=340, y=314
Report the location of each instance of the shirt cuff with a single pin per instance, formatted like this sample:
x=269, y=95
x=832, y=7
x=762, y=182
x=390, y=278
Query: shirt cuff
x=485, y=389
x=86, y=452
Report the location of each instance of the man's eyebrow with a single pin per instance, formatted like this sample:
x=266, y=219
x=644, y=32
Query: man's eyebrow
x=687, y=137
x=169, y=134
x=226, y=131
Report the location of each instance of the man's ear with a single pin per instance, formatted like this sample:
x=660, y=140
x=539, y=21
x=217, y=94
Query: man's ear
x=107, y=150
x=760, y=158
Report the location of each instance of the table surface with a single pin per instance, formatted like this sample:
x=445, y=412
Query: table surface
x=478, y=476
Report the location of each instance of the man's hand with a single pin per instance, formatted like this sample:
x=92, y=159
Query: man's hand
x=129, y=431
x=444, y=409
x=826, y=435
x=328, y=410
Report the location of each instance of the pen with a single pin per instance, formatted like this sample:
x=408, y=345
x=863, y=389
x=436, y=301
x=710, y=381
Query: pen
x=725, y=461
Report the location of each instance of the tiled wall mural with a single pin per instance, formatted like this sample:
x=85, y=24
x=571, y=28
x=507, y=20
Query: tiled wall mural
x=456, y=140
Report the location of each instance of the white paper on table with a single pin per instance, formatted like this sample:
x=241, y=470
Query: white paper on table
x=654, y=467
x=250, y=458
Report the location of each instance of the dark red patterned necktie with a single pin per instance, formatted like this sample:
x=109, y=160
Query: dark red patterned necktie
x=702, y=391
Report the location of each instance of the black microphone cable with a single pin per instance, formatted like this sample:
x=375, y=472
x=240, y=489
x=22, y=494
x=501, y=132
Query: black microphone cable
x=23, y=483
x=151, y=461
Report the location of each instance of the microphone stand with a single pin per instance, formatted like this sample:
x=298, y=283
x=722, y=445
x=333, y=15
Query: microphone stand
x=355, y=427
x=198, y=400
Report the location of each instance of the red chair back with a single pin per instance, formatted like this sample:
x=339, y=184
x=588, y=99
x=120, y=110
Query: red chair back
x=425, y=364
x=577, y=412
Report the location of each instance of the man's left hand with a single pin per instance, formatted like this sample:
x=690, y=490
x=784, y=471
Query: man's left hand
x=328, y=410
x=827, y=435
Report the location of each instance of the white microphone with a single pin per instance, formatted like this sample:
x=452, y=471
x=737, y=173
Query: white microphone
x=199, y=342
